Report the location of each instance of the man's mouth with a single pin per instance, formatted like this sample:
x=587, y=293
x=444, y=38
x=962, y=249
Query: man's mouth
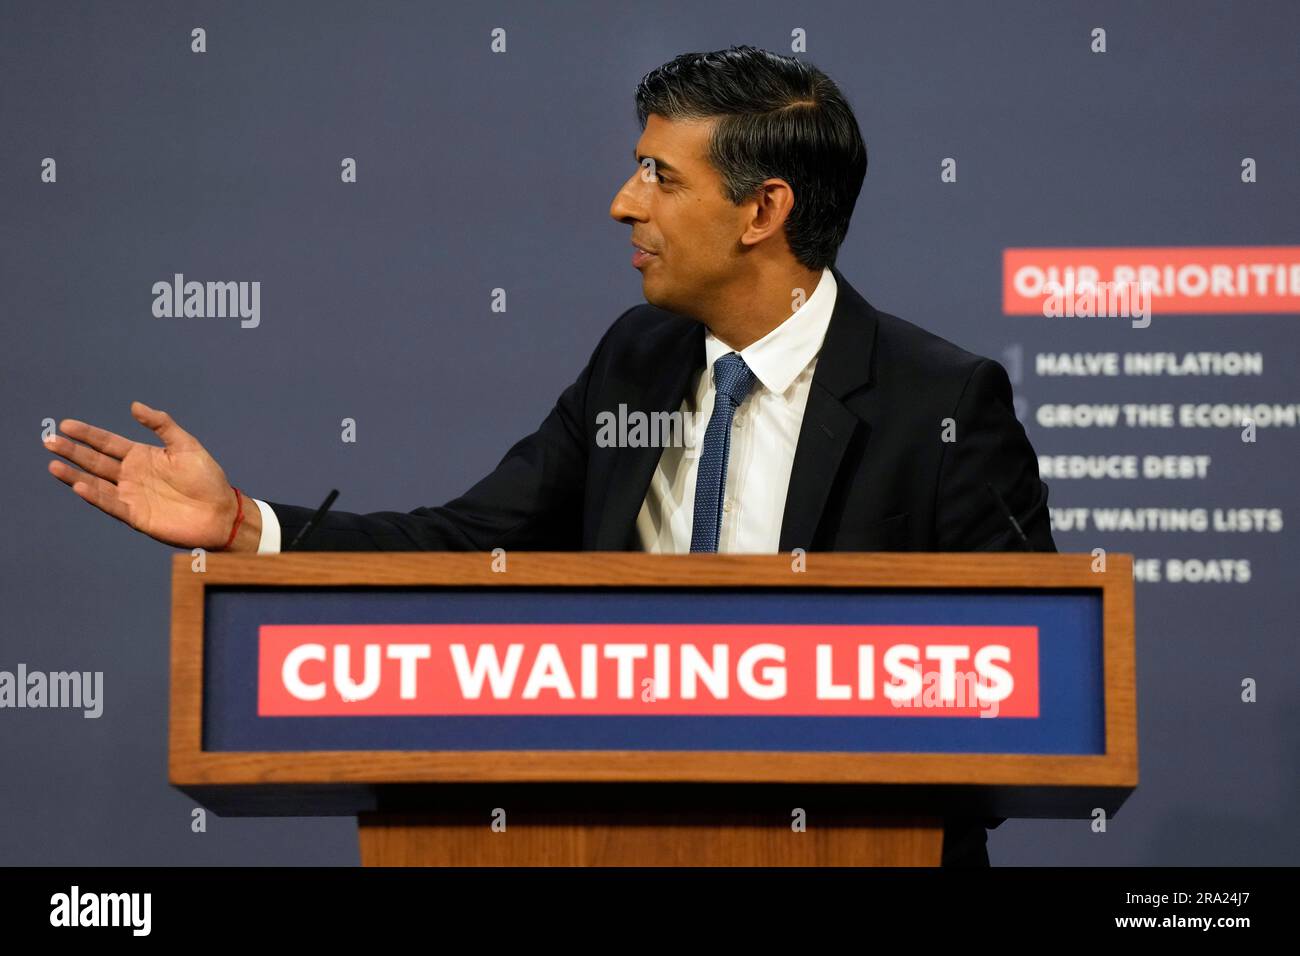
x=640, y=255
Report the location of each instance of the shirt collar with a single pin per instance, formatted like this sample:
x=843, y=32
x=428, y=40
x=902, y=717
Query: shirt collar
x=778, y=357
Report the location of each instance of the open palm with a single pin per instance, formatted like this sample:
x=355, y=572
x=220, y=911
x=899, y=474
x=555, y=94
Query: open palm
x=176, y=493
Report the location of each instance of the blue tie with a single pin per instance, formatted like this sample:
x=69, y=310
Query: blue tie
x=733, y=379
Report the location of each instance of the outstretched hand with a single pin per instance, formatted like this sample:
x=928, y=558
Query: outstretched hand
x=176, y=493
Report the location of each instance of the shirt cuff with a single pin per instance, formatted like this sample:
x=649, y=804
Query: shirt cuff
x=270, y=541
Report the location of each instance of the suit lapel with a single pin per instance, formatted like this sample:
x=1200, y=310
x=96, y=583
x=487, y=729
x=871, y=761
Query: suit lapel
x=844, y=366
x=661, y=390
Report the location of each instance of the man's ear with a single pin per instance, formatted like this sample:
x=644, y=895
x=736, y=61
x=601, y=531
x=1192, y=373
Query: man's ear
x=773, y=201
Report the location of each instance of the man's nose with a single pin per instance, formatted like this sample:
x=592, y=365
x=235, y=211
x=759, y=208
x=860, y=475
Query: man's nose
x=628, y=206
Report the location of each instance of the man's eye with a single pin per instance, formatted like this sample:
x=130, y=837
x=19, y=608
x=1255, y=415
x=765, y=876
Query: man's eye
x=648, y=167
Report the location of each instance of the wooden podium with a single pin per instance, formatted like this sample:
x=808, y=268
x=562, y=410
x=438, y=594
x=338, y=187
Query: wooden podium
x=791, y=763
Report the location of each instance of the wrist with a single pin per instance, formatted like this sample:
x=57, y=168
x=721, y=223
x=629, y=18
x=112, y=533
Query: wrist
x=244, y=530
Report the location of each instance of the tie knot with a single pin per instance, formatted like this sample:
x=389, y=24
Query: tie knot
x=732, y=377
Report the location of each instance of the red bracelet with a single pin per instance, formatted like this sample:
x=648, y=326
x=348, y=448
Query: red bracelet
x=239, y=519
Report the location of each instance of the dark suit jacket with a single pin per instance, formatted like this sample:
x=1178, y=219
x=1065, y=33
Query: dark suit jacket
x=872, y=471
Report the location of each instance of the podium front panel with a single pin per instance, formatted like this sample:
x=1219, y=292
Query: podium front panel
x=998, y=682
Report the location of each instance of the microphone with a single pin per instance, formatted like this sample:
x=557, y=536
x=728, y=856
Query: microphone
x=1020, y=533
x=314, y=520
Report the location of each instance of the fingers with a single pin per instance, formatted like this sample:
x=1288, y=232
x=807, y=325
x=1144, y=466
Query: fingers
x=110, y=443
x=87, y=459
x=161, y=424
x=96, y=491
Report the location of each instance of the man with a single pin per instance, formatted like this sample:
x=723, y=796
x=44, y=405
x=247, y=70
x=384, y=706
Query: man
x=830, y=426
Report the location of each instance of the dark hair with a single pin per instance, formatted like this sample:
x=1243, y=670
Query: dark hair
x=781, y=118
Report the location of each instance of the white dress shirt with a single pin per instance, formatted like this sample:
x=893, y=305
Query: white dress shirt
x=764, y=434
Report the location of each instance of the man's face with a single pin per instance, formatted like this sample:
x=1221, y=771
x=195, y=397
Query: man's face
x=674, y=203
